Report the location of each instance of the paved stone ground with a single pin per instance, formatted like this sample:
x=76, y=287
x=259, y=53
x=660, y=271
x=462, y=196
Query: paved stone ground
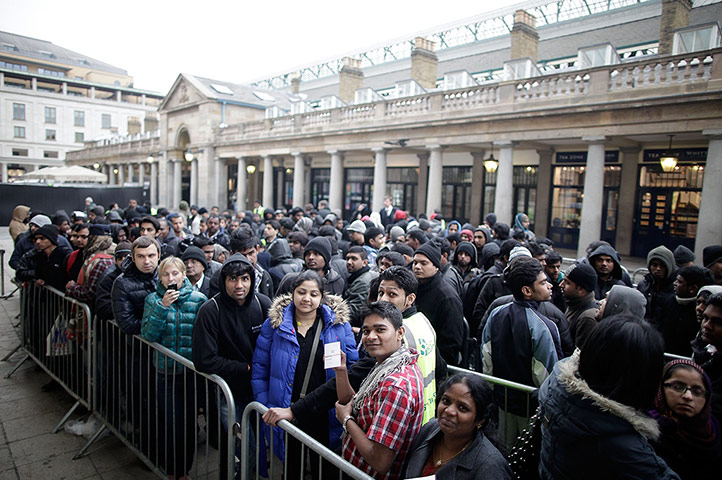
x=28, y=449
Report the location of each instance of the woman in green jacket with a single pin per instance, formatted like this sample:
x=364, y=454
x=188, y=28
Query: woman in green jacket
x=168, y=318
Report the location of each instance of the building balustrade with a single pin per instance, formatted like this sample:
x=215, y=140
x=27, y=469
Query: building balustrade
x=515, y=95
x=663, y=71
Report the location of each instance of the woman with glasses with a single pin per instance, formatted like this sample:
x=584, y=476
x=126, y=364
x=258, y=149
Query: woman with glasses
x=690, y=440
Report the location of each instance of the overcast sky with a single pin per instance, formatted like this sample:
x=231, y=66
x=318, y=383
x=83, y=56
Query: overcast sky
x=232, y=40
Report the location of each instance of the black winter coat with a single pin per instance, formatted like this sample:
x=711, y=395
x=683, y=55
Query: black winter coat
x=128, y=296
x=441, y=304
x=36, y=265
x=103, y=301
x=586, y=435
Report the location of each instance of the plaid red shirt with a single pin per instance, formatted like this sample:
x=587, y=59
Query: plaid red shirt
x=93, y=272
x=390, y=416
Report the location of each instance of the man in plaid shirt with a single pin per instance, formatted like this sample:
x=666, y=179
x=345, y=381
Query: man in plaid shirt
x=97, y=259
x=382, y=419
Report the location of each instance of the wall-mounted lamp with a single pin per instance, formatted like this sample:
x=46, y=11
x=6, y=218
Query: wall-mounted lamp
x=289, y=171
x=115, y=171
x=96, y=166
x=188, y=155
x=669, y=159
x=491, y=164
x=251, y=169
x=150, y=158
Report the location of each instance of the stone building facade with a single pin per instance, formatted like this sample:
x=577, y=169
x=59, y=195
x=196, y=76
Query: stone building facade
x=576, y=113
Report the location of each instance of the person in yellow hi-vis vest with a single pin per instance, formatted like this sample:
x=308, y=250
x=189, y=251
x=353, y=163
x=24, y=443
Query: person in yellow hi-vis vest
x=398, y=285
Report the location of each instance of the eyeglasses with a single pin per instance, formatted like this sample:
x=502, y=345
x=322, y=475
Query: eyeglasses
x=681, y=388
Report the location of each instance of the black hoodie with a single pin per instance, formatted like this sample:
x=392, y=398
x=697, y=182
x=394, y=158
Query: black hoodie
x=224, y=335
x=603, y=286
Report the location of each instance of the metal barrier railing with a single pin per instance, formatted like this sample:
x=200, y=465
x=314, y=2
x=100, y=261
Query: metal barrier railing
x=160, y=407
x=55, y=334
x=668, y=357
x=510, y=425
x=330, y=464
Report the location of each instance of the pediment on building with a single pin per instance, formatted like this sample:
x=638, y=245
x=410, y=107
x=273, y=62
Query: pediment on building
x=183, y=92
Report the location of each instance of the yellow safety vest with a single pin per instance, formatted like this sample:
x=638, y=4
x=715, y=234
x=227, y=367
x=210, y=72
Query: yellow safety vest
x=420, y=336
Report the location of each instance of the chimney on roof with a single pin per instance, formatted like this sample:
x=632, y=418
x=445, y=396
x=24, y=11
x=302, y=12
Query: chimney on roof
x=351, y=78
x=424, y=63
x=133, y=125
x=295, y=82
x=675, y=14
x=150, y=123
x=524, y=37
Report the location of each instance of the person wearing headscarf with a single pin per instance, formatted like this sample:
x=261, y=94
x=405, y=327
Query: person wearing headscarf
x=521, y=226
x=690, y=437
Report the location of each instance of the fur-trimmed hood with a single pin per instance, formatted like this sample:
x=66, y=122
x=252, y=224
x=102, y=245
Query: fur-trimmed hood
x=334, y=309
x=569, y=379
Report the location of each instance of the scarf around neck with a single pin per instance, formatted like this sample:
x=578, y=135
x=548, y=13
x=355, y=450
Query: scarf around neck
x=394, y=363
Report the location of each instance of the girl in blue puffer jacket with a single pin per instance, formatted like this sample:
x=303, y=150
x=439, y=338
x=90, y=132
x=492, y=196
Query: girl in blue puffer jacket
x=168, y=318
x=283, y=361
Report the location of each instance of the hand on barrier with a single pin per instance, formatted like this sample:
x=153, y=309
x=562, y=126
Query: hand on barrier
x=276, y=414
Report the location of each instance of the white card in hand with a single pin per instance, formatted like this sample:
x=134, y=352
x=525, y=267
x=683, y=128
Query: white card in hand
x=332, y=355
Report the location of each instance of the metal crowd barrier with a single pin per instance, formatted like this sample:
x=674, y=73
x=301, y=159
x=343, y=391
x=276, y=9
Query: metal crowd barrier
x=160, y=407
x=330, y=464
x=55, y=334
x=508, y=386
x=668, y=357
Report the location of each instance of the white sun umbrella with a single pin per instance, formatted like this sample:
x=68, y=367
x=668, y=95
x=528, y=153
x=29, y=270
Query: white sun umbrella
x=74, y=173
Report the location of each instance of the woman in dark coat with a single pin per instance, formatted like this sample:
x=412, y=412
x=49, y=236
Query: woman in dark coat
x=690, y=440
x=592, y=407
x=460, y=443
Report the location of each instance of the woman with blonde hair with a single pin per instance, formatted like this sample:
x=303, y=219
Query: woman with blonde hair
x=168, y=318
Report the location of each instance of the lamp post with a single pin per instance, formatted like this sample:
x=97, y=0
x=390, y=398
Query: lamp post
x=491, y=163
x=669, y=159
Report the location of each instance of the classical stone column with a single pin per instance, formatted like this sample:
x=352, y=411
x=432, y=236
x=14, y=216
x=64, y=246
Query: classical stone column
x=423, y=184
x=436, y=175
x=129, y=175
x=379, y=179
x=267, y=181
x=298, y=171
x=3, y=172
x=194, y=183
x=163, y=178
x=543, y=191
x=121, y=174
x=477, y=193
x=307, y=180
x=154, y=183
x=219, y=179
x=336, y=186
x=590, y=229
x=176, y=184
x=709, y=224
x=241, y=184
x=107, y=171
x=627, y=193
x=141, y=173
x=504, y=195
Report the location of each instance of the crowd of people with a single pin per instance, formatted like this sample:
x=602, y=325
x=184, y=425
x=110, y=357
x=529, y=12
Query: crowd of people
x=260, y=298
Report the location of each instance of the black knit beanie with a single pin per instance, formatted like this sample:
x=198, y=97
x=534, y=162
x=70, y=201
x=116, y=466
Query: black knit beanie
x=431, y=251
